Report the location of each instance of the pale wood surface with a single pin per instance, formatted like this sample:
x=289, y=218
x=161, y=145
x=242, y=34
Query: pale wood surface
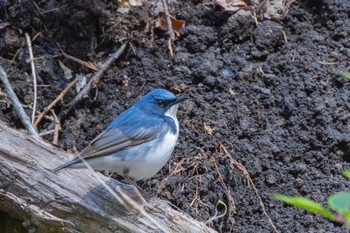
x=72, y=200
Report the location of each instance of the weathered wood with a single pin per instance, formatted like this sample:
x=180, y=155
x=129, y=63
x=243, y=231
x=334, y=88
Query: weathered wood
x=72, y=200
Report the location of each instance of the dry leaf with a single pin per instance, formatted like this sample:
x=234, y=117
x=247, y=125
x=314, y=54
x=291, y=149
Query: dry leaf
x=67, y=72
x=177, y=25
x=123, y=6
x=84, y=63
x=161, y=23
x=232, y=5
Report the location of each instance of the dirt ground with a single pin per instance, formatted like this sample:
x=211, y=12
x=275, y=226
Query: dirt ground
x=269, y=95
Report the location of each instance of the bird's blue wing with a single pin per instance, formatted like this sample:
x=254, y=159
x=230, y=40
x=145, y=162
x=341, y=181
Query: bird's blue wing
x=131, y=128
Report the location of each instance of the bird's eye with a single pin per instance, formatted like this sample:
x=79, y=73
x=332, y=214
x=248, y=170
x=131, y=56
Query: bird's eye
x=161, y=103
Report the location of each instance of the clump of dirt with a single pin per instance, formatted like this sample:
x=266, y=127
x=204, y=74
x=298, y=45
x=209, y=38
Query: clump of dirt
x=268, y=94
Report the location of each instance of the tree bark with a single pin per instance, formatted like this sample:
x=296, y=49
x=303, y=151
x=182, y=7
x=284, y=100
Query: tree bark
x=71, y=200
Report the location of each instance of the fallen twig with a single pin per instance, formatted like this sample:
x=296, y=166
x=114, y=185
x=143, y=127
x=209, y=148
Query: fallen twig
x=170, y=27
x=57, y=129
x=16, y=104
x=47, y=133
x=170, y=47
x=33, y=73
x=88, y=86
x=168, y=20
x=14, y=56
x=53, y=103
x=81, y=62
x=99, y=73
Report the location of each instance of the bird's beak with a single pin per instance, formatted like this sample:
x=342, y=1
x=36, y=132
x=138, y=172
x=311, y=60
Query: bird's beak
x=178, y=100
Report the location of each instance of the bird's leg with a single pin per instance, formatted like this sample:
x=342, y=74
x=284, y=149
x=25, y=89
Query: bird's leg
x=136, y=190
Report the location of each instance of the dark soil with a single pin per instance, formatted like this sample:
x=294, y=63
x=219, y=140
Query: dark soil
x=269, y=94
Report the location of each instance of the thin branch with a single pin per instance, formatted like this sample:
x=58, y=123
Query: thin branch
x=168, y=20
x=88, y=86
x=33, y=74
x=53, y=103
x=98, y=74
x=47, y=133
x=57, y=129
x=16, y=104
x=170, y=27
x=81, y=62
x=170, y=47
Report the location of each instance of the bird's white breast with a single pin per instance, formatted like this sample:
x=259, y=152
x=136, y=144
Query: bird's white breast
x=159, y=155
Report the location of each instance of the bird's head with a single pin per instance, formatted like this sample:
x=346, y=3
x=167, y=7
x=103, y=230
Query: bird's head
x=160, y=102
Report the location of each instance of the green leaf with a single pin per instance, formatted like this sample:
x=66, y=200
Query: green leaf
x=347, y=218
x=346, y=174
x=306, y=204
x=345, y=74
x=340, y=202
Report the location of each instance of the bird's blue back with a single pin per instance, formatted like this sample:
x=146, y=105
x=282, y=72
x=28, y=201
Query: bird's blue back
x=145, y=114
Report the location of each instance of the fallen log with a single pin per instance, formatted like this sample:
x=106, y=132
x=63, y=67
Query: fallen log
x=72, y=200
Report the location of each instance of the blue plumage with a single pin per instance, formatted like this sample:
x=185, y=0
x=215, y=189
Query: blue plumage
x=139, y=142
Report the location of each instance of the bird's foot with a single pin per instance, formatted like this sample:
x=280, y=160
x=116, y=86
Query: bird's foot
x=147, y=206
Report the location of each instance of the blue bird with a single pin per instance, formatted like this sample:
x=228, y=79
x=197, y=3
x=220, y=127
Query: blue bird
x=139, y=142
